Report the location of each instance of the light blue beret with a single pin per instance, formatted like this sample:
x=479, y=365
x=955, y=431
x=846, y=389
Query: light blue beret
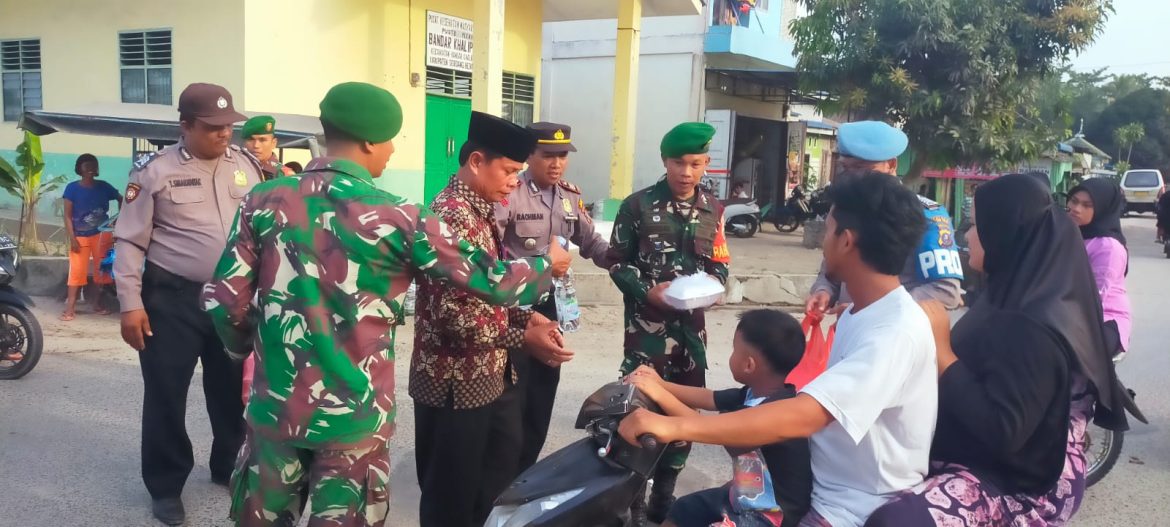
x=871, y=141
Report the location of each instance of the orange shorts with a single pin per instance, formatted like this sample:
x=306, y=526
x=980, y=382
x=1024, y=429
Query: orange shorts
x=89, y=257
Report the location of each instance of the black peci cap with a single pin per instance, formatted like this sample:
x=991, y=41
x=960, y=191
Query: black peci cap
x=501, y=136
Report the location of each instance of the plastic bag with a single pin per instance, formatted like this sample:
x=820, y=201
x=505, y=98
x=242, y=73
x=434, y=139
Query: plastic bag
x=816, y=351
x=751, y=488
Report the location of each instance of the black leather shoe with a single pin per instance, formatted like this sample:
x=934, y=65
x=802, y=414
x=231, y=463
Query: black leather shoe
x=169, y=511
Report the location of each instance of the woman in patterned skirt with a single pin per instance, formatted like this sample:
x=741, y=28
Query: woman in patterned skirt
x=1020, y=377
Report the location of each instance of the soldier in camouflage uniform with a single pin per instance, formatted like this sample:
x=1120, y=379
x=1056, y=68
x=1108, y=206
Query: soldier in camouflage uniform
x=668, y=230
x=330, y=257
x=259, y=134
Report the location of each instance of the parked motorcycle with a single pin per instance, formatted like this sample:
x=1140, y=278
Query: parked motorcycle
x=741, y=218
x=799, y=209
x=21, y=340
x=591, y=482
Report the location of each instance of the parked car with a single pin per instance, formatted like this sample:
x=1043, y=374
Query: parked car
x=1142, y=189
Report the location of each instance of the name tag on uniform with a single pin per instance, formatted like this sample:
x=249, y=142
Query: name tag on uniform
x=186, y=182
x=530, y=216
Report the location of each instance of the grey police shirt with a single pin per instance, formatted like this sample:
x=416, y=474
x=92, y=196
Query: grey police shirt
x=178, y=212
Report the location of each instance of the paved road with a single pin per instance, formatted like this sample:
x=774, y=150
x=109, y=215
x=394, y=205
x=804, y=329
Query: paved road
x=69, y=431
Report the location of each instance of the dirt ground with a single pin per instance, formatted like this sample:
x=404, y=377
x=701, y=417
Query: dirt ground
x=89, y=348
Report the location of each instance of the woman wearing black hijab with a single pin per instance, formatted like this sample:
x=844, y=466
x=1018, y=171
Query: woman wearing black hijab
x=1029, y=365
x=1096, y=207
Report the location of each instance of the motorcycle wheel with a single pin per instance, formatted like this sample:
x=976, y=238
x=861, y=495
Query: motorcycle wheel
x=1102, y=450
x=743, y=226
x=789, y=224
x=20, y=333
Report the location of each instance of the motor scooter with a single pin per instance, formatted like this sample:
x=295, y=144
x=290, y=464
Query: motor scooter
x=799, y=209
x=741, y=217
x=21, y=339
x=592, y=481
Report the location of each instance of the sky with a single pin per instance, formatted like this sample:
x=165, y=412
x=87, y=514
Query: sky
x=1136, y=40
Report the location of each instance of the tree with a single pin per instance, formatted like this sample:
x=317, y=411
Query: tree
x=1149, y=107
x=28, y=185
x=1126, y=136
x=962, y=77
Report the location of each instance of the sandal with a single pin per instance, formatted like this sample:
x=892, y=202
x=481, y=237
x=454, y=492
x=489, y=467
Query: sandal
x=66, y=317
x=101, y=311
x=14, y=356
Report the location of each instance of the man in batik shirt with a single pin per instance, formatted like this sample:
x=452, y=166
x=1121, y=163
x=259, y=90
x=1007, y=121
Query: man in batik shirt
x=468, y=425
x=329, y=258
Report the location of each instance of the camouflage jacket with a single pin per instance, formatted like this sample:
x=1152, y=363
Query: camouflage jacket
x=329, y=257
x=654, y=240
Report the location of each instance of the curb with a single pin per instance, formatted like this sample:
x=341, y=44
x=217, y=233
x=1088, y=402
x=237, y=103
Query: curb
x=597, y=289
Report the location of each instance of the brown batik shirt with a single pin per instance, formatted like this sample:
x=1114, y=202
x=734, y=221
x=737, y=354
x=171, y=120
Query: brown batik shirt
x=461, y=343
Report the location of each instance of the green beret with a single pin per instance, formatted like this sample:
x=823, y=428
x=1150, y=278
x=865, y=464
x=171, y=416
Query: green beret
x=362, y=110
x=687, y=138
x=259, y=125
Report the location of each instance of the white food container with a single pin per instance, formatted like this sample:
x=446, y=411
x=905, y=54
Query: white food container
x=696, y=291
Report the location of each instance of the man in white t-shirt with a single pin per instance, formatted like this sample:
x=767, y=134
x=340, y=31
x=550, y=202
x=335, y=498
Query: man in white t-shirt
x=870, y=417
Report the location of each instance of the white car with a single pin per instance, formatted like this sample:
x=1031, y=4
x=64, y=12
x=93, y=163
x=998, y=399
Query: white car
x=1142, y=189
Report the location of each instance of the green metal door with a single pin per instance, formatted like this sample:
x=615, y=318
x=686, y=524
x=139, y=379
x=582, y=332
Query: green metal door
x=447, y=121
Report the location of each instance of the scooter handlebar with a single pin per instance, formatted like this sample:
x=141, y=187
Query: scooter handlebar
x=648, y=441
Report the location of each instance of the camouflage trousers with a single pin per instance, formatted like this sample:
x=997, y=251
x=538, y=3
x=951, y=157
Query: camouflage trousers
x=346, y=488
x=676, y=366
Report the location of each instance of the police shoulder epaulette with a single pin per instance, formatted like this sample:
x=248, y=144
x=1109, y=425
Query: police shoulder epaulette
x=928, y=203
x=569, y=186
x=248, y=155
x=145, y=159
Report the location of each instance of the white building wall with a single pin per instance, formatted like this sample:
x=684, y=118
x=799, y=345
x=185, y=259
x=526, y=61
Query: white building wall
x=577, y=80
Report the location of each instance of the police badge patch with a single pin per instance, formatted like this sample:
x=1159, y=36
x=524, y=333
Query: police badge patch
x=132, y=191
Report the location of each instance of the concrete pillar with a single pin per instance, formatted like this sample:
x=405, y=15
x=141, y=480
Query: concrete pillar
x=625, y=98
x=487, y=85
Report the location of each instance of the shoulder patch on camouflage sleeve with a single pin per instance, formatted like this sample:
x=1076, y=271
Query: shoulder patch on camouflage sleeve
x=144, y=160
x=569, y=186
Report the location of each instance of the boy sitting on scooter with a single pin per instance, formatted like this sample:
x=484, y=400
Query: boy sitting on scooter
x=772, y=484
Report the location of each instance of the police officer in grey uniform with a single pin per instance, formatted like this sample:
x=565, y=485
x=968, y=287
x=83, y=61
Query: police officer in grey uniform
x=545, y=205
x=180, y=204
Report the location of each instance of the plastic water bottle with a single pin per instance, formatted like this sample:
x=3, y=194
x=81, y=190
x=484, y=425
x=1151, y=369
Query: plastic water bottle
x=565, y=295
x=408, y=302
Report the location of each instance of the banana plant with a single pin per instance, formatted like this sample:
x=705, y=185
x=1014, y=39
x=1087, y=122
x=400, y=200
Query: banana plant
x=28, y=184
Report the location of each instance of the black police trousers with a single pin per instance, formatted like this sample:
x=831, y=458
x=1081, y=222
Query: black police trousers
x=183, y=335
x=465, y=459
x=538, y=391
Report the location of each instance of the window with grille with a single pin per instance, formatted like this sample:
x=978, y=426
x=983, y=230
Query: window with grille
x=20, y=76
x=519, y=98
x=443, y=81
x=145, y=58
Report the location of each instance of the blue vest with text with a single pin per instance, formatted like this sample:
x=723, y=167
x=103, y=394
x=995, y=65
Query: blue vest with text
x=938, y=256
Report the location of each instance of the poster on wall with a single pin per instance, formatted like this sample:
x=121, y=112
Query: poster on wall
x=719, y=171
x=449, y=40
x=796, y=140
